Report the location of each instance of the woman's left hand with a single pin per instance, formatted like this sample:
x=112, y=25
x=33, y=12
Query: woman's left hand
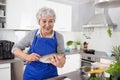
x=55, y=60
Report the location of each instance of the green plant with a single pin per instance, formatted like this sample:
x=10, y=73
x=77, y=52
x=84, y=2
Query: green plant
x=78, y=42
x=114, y=67
x=116, y=51
x=69, y=43
x=109, y=31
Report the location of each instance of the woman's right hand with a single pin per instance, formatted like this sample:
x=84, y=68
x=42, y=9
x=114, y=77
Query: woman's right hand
x=32, y=57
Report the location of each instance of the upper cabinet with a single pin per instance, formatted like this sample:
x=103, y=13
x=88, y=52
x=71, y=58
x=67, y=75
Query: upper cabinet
x=21, y=14
x=2, y=13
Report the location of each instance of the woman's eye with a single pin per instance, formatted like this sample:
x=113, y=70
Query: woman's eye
x=51, y=21
x=44, y=21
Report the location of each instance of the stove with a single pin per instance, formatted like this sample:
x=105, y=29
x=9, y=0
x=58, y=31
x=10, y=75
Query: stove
x=87, y=59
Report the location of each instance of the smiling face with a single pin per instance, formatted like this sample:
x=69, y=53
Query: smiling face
x=46, y=23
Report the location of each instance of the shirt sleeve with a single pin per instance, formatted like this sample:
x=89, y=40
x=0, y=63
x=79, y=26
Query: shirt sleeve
x=24, y=42
x=60, y=43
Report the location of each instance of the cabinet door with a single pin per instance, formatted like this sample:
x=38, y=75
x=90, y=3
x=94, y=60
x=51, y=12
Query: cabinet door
x=107, y=62
x=5, y=72
x=73, y=63
x=21, y=14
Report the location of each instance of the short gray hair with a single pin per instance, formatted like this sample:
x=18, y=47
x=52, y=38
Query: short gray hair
x=45, y=12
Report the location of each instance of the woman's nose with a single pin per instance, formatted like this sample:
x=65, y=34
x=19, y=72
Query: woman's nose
x=47, y=24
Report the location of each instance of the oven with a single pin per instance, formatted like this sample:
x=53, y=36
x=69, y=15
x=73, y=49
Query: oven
x=86, y=62
x=88, y=59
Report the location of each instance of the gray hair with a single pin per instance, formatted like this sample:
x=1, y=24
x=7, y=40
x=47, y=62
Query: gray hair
x=45, y=12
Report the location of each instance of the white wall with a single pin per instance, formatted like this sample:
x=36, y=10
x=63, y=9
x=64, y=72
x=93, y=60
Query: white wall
x=99, y=41
x=12, y=35
x=99, y=38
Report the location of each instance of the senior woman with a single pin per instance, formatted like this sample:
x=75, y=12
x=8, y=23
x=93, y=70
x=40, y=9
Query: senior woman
x=42, y=41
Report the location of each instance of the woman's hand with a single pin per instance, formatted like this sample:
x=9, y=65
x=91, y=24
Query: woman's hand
x=57, y=61
x=32, y=57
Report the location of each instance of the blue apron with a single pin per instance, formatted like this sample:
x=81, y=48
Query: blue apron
x=37, y=70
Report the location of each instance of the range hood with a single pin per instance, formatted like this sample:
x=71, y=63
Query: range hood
x=107, y=3
x=100, y=20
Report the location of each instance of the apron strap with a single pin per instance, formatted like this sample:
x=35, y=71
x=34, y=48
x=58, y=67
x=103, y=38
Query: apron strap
x=34, y=42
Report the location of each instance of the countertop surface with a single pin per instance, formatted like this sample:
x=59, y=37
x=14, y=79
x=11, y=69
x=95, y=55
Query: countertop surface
x=9, y=60
x=98, y=54
x=75, y=75
x=16, y=62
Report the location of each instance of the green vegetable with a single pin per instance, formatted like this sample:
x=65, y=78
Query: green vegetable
x=109, y=31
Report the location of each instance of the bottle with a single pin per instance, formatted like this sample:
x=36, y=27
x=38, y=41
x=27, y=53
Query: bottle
x=85, y=46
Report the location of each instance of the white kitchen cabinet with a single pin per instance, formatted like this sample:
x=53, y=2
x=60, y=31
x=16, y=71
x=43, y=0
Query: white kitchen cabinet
x=73, y=63
x=21, y=14
x=5, y=72
x=106, y=61
x=25, y=16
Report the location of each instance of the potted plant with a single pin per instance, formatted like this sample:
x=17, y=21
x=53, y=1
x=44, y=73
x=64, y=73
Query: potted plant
x=78, y=44
x=69, y=45
x=114, y=68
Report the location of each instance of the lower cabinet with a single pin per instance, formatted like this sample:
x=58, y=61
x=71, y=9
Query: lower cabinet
x=17, y=70
x=5, y=72
x=106, y=62
x=73, y=63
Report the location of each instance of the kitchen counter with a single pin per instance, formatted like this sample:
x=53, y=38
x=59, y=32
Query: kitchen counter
x=88, y=59
x=17, y=64
x=75, y=75
x=97, y=55
x=9, y=61
x=16, y=68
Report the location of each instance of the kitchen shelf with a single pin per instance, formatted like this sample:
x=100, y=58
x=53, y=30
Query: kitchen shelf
x=14, y=29
x=2, y=13
x=94, y=26
x=2, y=16
x=2, y=4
